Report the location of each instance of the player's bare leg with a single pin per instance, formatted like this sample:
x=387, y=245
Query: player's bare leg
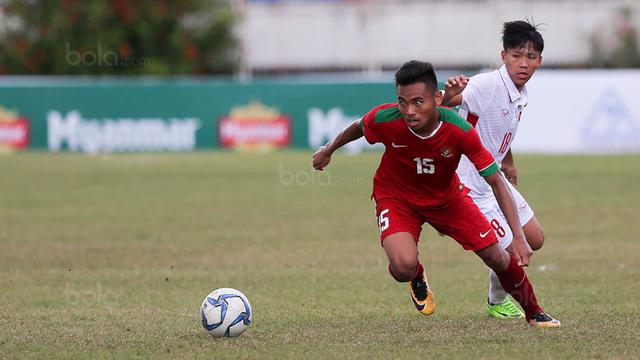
x=515, y=281
x=404, y=266
x=534, y=233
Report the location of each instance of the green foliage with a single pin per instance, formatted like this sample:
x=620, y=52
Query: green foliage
x=625, y=53
x=118, y=37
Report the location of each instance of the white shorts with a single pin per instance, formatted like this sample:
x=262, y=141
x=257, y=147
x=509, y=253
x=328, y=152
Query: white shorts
x=491, y=210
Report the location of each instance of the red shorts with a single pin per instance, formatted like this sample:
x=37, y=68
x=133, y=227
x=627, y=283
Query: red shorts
x=460, y=219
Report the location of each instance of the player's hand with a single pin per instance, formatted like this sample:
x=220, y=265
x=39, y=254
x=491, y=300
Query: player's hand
x=455, y=85
x=321, y=158
x=520, y=250
x=510, y=173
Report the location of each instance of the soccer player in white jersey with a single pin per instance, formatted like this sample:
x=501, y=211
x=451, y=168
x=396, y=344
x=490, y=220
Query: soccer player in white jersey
x=493, y=103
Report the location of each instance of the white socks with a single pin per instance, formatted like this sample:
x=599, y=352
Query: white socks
x=496, y=293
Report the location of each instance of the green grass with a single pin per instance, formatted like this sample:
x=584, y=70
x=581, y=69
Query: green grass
x=111, y=256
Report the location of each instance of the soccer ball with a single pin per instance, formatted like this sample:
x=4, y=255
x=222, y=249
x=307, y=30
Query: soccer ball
x=225, y=312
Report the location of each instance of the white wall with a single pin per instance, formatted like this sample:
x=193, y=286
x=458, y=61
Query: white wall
x=568, y=112
x=370, y=34
x=581, y=112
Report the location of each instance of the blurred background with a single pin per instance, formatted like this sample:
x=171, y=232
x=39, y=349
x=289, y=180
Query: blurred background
x=130, y=186
x=112, y=76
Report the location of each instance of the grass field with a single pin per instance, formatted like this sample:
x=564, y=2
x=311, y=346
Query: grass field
x=111, y=256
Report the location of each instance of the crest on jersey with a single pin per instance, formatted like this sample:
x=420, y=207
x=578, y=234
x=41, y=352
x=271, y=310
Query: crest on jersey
x=446, y=152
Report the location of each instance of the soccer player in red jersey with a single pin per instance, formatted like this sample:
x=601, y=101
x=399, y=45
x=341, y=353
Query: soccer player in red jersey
x=416, y=183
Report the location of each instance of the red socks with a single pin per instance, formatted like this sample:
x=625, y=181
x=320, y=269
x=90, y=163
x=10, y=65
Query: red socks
x=516, y=283
x=513, y=280
x=419, y=271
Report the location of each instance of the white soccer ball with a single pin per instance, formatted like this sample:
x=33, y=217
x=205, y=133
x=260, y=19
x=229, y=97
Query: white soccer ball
x=225, y=312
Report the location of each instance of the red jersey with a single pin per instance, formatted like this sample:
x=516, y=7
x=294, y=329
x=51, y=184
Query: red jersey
x=422, y=170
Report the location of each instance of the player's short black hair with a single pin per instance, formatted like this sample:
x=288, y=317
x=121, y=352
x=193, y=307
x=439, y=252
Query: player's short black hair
x=417, y=71
x=517, y=34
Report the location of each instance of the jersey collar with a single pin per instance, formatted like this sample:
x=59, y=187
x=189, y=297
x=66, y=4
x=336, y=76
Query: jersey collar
x=433, y=133
x=514, y=93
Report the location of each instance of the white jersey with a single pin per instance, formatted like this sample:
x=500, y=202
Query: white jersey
x=492, y=103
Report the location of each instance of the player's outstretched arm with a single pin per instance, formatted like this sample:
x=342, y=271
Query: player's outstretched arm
x=322, y=156
x=453, y=90
x=508, y=168
x=519, y=248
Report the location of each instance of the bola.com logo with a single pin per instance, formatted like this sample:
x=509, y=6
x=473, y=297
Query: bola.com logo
x=103, y=57
x=309, y=177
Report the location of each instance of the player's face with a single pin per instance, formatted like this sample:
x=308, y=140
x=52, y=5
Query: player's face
x=521, y=63
x=417, y=103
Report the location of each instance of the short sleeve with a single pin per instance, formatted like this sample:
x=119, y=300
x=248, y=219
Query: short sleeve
x=478, y=155
x=370, y=127
x=477, y=94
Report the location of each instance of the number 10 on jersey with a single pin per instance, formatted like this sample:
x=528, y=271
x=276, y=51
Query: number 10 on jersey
x=425, y=165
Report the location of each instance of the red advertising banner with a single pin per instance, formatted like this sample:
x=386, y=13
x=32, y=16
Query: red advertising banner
x=255, y=126
x=14, y=130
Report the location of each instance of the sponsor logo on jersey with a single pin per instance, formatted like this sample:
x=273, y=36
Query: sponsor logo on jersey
x=14, y=130
x=255, y=126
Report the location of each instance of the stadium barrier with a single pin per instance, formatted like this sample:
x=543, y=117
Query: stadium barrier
x=179, y=115
x=581, y=112
x=568, y=112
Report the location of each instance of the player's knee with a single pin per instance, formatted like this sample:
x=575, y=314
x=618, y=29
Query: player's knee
x=495, y=258
x=495, y=263
x=537, y=241
x=534, y=234
x=403, y=268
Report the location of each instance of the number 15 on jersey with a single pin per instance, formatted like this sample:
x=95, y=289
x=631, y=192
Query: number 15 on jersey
x=425, y=165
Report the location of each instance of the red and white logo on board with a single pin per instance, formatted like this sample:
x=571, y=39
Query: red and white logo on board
x=14, y=130
x=255, y=126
